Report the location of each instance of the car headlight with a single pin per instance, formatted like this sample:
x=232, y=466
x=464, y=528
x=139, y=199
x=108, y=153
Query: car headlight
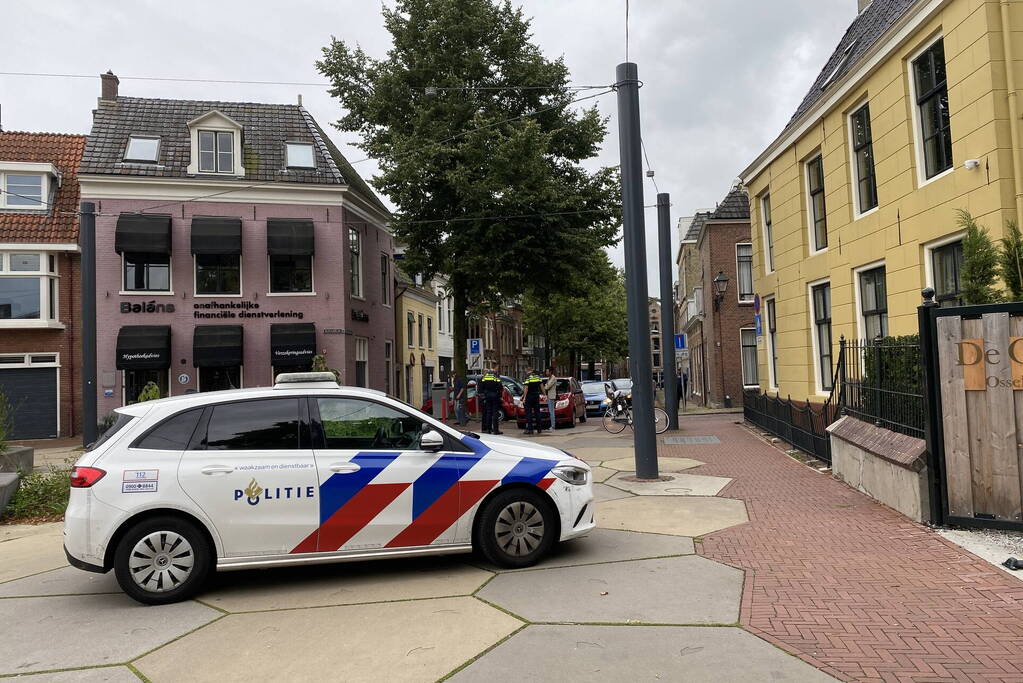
x=571, y=474
x=628, y=397
x=606, y=402
x=563, y=403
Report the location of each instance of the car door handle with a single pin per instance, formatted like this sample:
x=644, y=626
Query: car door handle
x=217, y=469
x=344, y=467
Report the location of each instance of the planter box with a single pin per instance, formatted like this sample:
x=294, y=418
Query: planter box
x=17, y=459
x=8, y=485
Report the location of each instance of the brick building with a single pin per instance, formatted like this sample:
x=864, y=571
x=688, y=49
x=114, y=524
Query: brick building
x=715, y=265
x=40, y=331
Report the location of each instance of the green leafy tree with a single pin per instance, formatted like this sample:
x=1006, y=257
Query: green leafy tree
x=1012, y=260
x=979, y=275
x=486, y=177
x=149, y=392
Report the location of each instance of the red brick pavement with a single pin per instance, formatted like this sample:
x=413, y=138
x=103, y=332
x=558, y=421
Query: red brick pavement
x=849, y=585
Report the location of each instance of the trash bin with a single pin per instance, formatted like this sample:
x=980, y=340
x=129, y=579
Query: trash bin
x=728, y=401
x=439, y=394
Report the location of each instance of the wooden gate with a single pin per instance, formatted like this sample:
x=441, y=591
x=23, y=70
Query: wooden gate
x=975, y=413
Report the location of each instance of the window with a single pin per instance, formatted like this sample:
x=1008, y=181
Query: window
x=361, y=362
x=217, y=274
x=657, y=360
x=300, y=155
x=863, y=160
x=765, y=207
x=818, y=213
x=219, y=379
x=821, y=299
x=429, y=333
x=270, y=425
x=357, y=424
x=657, y=343
x=355, y=261
x=135, y=381
x=772, y=340
x=28, y=288
x=874, y=303
x=146, y=272
x=290, y=274
x=931, y=91
x=387, y=366
x=216, y=151
x=173, y=434
x=385, y=280
x=946, y=266
x=744, y=270
x=410, y=323
x=748, y=340
x=420, y=330
x=141, y=148
x=440, y=313
x=22, y=191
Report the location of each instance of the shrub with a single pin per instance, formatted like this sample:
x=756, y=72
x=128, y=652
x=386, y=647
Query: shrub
x=41, y=495
x=979, y=274
x=320, y=365
x=1012, y=260
x=149, y=392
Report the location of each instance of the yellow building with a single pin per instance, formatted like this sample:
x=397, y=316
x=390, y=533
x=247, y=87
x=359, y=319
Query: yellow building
x=415, y=327
x=853, y=205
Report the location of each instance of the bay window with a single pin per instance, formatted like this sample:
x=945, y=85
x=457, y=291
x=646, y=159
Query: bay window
x=28, y=289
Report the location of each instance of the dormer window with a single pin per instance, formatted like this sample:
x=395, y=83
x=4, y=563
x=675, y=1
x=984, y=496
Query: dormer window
x=300, y=155
x=26, y=186
x=142, y=148
x=216, y=152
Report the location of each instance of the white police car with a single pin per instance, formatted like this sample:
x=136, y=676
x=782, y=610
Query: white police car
x=307, y=472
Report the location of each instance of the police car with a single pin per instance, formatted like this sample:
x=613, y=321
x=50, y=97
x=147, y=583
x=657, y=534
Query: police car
x=307, y=472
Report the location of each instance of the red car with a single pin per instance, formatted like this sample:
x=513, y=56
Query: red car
x=570, y=408
x=474, y=407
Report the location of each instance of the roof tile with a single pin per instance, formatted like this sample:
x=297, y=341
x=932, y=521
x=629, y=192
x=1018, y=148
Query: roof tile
x=60, y=223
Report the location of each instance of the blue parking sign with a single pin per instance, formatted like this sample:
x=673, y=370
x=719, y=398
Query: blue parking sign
x=680, y=341
x=474, y=347
x=756, y=322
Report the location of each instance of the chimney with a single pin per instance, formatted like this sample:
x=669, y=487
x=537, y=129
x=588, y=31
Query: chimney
x=863, y=4
x=109, y=89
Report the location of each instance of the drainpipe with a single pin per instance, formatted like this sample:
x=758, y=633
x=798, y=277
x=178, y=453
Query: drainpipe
x=1010, y=82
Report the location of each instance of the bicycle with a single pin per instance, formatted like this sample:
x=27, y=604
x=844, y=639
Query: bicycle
x=619, y=415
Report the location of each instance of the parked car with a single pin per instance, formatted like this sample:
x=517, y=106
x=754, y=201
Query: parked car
x=508, y=396
x=307, y=472
x=623, y=384
x=570, y=406
x=595, y=394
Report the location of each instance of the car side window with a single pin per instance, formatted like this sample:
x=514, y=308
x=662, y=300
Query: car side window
x=352, y=423
x=266, y=425
x=173, y=434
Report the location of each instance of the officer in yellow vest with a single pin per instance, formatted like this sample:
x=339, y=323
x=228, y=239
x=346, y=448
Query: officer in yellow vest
x=490, y=388
x=531, y=400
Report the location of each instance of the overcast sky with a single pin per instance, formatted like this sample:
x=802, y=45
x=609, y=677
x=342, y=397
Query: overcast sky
x=721, y=77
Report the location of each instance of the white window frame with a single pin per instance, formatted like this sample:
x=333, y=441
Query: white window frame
x=147, y=292
x=818, y=385
x=287, y=154
x=362, y=349
x=361, y=280
x=44, y=187
x=854, y=171
x=386, y=279
x=49, y=317
x=312, y=279
x=929, y=248
x=742, y=360
x=860, y=322
x=811, y=218
x=127, y=148
x=410, y=332
x=738, y=294
x=28, y=361
x=918, y=130
x=765, y=198
x=216, y=122
x=195, y=281
x=772, y=342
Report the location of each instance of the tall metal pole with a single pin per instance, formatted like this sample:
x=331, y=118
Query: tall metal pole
x=627, y=80
x=667, y=310
x=87, y=238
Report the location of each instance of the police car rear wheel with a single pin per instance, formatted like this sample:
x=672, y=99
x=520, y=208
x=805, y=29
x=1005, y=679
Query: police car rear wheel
x=516, y=528
x=162, y=560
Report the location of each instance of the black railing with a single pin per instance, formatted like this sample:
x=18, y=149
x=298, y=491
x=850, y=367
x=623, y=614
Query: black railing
x=803, y=425
x=881, y=382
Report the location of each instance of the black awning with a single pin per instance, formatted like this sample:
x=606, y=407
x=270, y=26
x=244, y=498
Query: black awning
x=216, y=235
x=292, y=343
x=289, y=237
x=147, y=233
x=217, y=346
x=143, y=347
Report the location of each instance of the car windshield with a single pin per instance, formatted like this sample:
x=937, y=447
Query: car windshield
x=593, y=387
x=623, y=384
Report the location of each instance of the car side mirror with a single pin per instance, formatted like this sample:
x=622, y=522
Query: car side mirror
x=431, y=441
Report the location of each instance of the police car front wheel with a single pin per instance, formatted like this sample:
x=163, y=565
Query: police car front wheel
x=516, y=528
x=162, y=560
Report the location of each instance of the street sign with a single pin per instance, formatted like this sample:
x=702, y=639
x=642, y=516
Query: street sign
x=681, y=354
x=756, y=305
x=758, y=325
x=680, y=341
x=475, y=346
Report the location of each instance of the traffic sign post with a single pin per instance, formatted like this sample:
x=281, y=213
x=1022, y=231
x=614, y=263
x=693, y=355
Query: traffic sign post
x=680, y=342
x=475, y=354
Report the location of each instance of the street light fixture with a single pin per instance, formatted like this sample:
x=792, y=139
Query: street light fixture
x=720, y=287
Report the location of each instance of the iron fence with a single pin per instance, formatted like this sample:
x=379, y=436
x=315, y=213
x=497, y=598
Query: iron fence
x=801, y=424
x=881, y=382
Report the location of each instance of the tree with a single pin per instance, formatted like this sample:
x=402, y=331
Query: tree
x=485, y=176
x=979, y=274
x=1012, y=260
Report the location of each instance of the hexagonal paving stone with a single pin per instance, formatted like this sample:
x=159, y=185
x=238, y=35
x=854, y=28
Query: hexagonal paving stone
x=673, y=590
x=344, y=584
x=601, y=474
x=106, y=674
x=678, y=515
x=603, y=492
x=663, y=464
x=49, y=632
x=638, y=653
x=415, y=640
x=63, y=581
x=607, y=545
x=30, y=549
x=679, y=485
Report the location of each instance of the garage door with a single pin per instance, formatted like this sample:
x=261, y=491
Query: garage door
x=32, y=393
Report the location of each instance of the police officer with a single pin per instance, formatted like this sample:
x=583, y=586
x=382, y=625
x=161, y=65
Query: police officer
x=490, y=388
x=532, y=402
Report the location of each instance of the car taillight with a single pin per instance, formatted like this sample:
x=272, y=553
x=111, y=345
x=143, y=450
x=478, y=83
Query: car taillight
x=84, y=477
